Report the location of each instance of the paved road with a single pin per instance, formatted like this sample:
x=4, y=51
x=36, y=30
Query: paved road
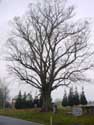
x=13, y=121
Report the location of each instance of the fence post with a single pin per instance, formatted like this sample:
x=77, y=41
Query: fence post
x=51, y=120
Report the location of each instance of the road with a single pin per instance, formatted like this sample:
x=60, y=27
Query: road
x=13, y=121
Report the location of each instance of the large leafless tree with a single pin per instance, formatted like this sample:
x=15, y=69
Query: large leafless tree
x=49, y=48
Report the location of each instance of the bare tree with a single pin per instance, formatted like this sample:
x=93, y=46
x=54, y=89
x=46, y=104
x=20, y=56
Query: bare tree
x=4, y=94
x=48, y=49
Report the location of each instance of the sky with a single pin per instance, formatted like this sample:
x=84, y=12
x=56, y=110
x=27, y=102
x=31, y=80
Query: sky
x=12, y=8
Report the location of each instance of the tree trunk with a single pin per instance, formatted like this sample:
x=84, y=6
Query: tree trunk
x=46, y=100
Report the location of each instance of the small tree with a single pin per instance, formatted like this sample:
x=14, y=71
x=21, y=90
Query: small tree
x=76, y=97
x=65, y=99
x=71, y=97
x=29, y=101
x=24, y=102
x=1, y=98
x=83, y=99
x=18, y=103
x=4, y=94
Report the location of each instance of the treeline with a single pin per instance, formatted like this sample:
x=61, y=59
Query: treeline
x=74, y=98
x=26, y=101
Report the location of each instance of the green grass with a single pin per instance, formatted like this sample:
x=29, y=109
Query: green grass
x=60, y=118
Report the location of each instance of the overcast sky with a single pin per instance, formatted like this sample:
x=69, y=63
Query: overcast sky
x=11, y=8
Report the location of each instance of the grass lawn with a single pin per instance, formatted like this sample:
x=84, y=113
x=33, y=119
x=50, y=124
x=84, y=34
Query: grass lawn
x=60, y=118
